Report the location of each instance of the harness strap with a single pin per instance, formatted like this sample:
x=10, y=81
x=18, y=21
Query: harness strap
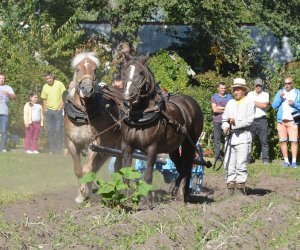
x=183, y=130
x=78, y=106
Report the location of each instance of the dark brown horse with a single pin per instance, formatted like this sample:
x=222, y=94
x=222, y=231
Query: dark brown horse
x=154, y=123
x=89, y=118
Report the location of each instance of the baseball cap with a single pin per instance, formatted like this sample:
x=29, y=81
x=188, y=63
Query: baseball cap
x=258, y=81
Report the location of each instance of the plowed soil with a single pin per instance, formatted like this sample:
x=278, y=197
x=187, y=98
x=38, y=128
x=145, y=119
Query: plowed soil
x=268, y=217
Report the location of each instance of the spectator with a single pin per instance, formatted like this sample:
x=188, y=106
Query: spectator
x=33, y=120
x=118, y=82
x=260, y=124
x=287, y=100
x=70, y=92
x=53, y=107
x=218, y=103
x=6, y=93
x=237, y=118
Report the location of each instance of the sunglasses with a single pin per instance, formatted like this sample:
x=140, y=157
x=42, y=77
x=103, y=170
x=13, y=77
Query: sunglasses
x=288, y=83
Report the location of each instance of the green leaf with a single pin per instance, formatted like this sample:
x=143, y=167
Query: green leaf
x=143, y=188
x=88, y=177
x=116, y=176
x=130, y=173
x=106, y=188
x=120, y=185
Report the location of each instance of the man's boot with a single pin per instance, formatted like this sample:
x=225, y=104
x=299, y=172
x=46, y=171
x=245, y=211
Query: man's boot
x=240, y=189
x=230, y=188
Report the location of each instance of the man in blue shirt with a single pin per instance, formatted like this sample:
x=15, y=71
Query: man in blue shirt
x=287, y=101
x=218, y=103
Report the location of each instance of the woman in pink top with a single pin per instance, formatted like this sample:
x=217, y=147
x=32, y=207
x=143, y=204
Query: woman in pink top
x=33, y=120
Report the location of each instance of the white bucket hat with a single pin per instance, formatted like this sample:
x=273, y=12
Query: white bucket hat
x=240, y=82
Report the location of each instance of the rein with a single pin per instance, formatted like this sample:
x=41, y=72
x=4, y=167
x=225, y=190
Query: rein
x=228, y=141
x=183, y=130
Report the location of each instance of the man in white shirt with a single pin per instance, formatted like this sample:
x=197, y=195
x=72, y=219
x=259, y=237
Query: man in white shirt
x=260, y=124
x=237, y=119
x=6, y=94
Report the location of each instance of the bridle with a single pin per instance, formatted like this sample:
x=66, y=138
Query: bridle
x=87, y=76
x=139, y=86
x=78, y=82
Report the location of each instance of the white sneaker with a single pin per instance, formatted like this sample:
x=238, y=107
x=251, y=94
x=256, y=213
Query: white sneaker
x=28, y=152
x=35, y=152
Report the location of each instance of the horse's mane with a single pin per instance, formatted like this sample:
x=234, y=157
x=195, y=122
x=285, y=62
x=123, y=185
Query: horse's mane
x=83, y=55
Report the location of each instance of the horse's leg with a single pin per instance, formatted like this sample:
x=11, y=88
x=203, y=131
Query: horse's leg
x=118, y=164
x=176, y=159
x=119, y=160
x=148, y=173
x=75, y=154
x=93, y=163
x=187, y=157
x=127, y=152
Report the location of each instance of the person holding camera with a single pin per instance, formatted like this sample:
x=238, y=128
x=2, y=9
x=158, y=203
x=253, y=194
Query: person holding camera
x=287, y=101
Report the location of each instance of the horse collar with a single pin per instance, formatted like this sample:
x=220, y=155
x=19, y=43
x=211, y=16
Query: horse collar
x=79, y=114
x=140, y=118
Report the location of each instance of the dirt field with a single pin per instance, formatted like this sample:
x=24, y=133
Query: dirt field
x=267, y=218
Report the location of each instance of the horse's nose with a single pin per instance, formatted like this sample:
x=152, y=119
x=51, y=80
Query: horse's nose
x=87, y=90
x=126, y=97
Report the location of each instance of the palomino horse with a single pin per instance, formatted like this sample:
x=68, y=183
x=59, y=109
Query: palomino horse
x=90, y=117
x=155, y=123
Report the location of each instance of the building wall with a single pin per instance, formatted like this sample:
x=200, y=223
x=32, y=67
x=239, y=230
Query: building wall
x=154, y=37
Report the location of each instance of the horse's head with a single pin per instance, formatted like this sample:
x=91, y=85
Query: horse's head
x=137, y=78
x=85, y=65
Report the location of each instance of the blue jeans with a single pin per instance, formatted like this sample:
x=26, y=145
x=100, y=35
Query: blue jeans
x=54, y=120
x=3, y=131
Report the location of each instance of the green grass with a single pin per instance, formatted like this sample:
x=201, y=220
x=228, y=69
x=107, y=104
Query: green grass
x=275, y=169
x=22, y=176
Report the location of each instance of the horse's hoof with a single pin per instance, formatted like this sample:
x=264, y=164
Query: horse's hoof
x=147, y=202
x=80, y=199
x=174, y=191
x=179, y=198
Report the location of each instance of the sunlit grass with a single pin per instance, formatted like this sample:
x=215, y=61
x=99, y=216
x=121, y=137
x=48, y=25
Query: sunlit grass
x=22, y=176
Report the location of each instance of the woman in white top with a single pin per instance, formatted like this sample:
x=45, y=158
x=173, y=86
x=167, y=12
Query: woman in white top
x=33, y=120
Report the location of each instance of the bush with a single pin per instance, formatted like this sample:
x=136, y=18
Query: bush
x=169, y=73
x=202, y=91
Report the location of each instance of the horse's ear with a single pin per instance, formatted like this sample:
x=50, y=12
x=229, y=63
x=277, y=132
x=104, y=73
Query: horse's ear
x=77, y=51
x=126, y=56
x=145, y=58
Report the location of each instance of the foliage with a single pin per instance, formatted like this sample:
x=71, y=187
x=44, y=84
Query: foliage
x=170, y=74
x=114, y=193
x=218, y=35
x=202, y=92
x=279, y=17
x=31, y=43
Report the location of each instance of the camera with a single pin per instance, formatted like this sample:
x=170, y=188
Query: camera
x=296, y=116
